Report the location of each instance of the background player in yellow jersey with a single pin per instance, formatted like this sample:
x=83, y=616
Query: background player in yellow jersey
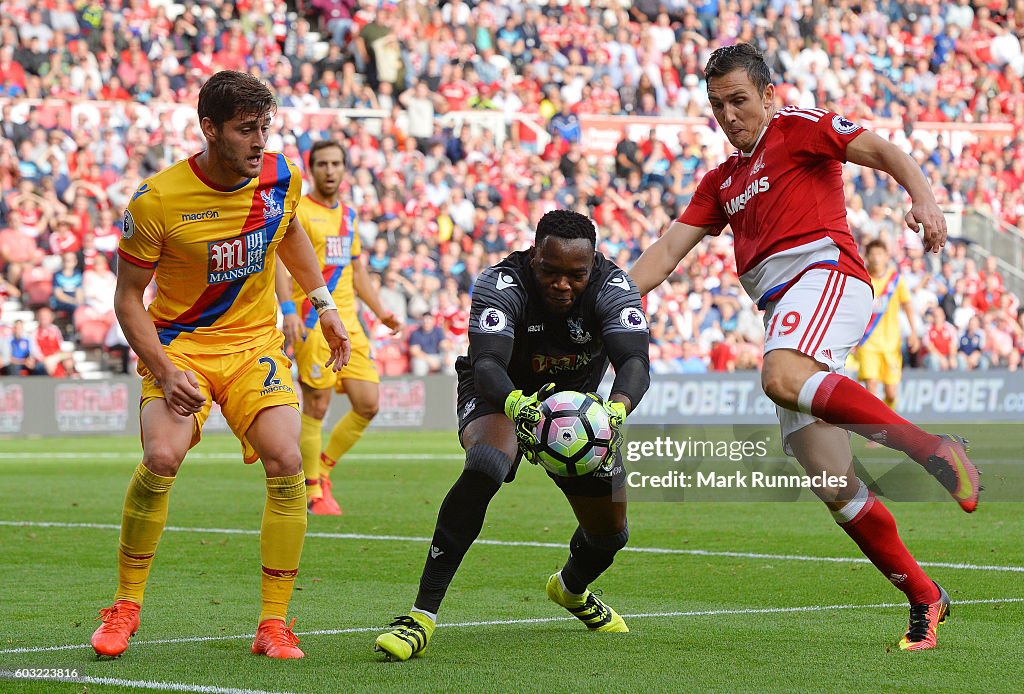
x=210, y=229
x=333, y=229
x=880, y=354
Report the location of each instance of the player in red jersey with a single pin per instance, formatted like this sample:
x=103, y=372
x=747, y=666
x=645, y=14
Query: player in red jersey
x=782, y=194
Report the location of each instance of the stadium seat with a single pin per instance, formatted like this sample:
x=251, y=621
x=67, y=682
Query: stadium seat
x=92, y=326
x=36, y=287
x=391, y=360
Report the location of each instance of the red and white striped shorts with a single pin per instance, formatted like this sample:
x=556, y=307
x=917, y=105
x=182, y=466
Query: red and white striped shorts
x=823, y=316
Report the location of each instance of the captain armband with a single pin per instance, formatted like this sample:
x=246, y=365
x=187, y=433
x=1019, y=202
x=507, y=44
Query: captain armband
x=321, y=300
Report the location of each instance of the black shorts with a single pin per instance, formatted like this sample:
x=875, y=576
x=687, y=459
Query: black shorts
x=471, y=406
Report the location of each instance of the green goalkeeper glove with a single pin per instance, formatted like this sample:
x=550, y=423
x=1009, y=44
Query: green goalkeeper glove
x=616, y=412
x=524, y=411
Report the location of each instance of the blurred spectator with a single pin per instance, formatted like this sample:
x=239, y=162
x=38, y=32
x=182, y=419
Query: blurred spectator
x=1002, y=338
x=940, y=342
x=566, y=124
x=989, y=295
x=972, y=346
x=64, y=240
x=421, y=104
x=18, y=251
x=627, y=156
x=723, y=354
x=428, y=347
x=393, y=296
x=95, y=316
x=690, y=362
x=48, y=343
x=67, y=286
x=23, y=358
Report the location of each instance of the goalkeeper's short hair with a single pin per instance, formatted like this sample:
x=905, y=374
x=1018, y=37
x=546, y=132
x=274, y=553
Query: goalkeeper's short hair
x=566, y=224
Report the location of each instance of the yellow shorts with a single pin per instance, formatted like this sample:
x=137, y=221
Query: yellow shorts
x=886, y=367
x=311, y=354
x=244, y=383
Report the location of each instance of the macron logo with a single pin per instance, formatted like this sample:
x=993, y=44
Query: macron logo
x=198, y=216
x=435, y=552
x=504, y=281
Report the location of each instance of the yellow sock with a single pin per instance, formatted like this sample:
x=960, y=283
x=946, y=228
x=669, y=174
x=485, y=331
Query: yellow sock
x=326, y=466
x=891, y=403
x=310, y=442
x=281, y=536
x=344, y=435
x=142, y=521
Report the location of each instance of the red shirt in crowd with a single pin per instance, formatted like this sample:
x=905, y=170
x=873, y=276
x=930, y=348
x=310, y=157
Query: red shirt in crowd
x=943, y=338
x=983, y=300
x=455, y=321
x=723, y=356
x=48, y=340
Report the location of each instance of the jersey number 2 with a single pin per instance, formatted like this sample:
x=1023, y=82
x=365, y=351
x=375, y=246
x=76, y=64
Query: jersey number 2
x=271, y=379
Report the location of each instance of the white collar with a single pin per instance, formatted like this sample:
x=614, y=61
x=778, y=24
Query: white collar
x=756, y=142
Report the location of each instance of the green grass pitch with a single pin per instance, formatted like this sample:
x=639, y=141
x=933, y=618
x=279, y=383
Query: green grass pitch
x=701, y=619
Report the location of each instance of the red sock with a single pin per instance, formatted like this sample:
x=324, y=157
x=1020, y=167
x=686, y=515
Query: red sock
x=874, y=530
x=844, y=403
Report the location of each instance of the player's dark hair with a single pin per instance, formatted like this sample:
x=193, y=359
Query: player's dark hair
x=229, y=93
x=873, y=244
x=323, y=144
x=739, y=56
x=566, y=224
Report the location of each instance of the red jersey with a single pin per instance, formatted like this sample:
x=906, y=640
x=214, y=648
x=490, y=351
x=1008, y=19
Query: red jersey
x=943, y=338
x=784, y=201
x=723, y=356
x=456, y=321
x=457, y=94
x=48, y=340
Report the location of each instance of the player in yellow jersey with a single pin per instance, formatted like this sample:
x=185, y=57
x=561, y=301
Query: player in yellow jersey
x=210, y=229
x=880, y=353
x=334, y=232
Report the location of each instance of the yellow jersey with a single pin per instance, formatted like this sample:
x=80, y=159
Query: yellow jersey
x=213, y=250
x=884, y=327
x=333, y=232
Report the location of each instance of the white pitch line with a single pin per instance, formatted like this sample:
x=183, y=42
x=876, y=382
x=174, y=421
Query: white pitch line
x=534, y=620
x=136, y=455
x=527, y=543
x=140, y=684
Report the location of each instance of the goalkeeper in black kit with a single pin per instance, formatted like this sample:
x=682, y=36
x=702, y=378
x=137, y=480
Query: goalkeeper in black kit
x=545, y=320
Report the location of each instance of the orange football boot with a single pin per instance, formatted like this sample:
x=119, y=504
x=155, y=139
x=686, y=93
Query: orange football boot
x=925, y=619
x=120, y=622
x=275, y=640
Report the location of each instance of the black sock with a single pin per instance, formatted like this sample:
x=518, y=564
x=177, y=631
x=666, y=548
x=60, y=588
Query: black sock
x=458, y=523
x=589, y=557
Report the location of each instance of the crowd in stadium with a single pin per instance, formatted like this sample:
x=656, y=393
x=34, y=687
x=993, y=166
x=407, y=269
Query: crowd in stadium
x=436, y=206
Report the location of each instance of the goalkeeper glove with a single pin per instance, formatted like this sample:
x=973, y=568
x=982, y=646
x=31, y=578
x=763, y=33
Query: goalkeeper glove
x=524, y=411
x=616, y=412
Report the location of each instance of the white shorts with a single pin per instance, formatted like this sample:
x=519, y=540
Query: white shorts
x=823, y=316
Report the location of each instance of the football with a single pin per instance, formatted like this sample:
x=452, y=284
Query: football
x=572, y=435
